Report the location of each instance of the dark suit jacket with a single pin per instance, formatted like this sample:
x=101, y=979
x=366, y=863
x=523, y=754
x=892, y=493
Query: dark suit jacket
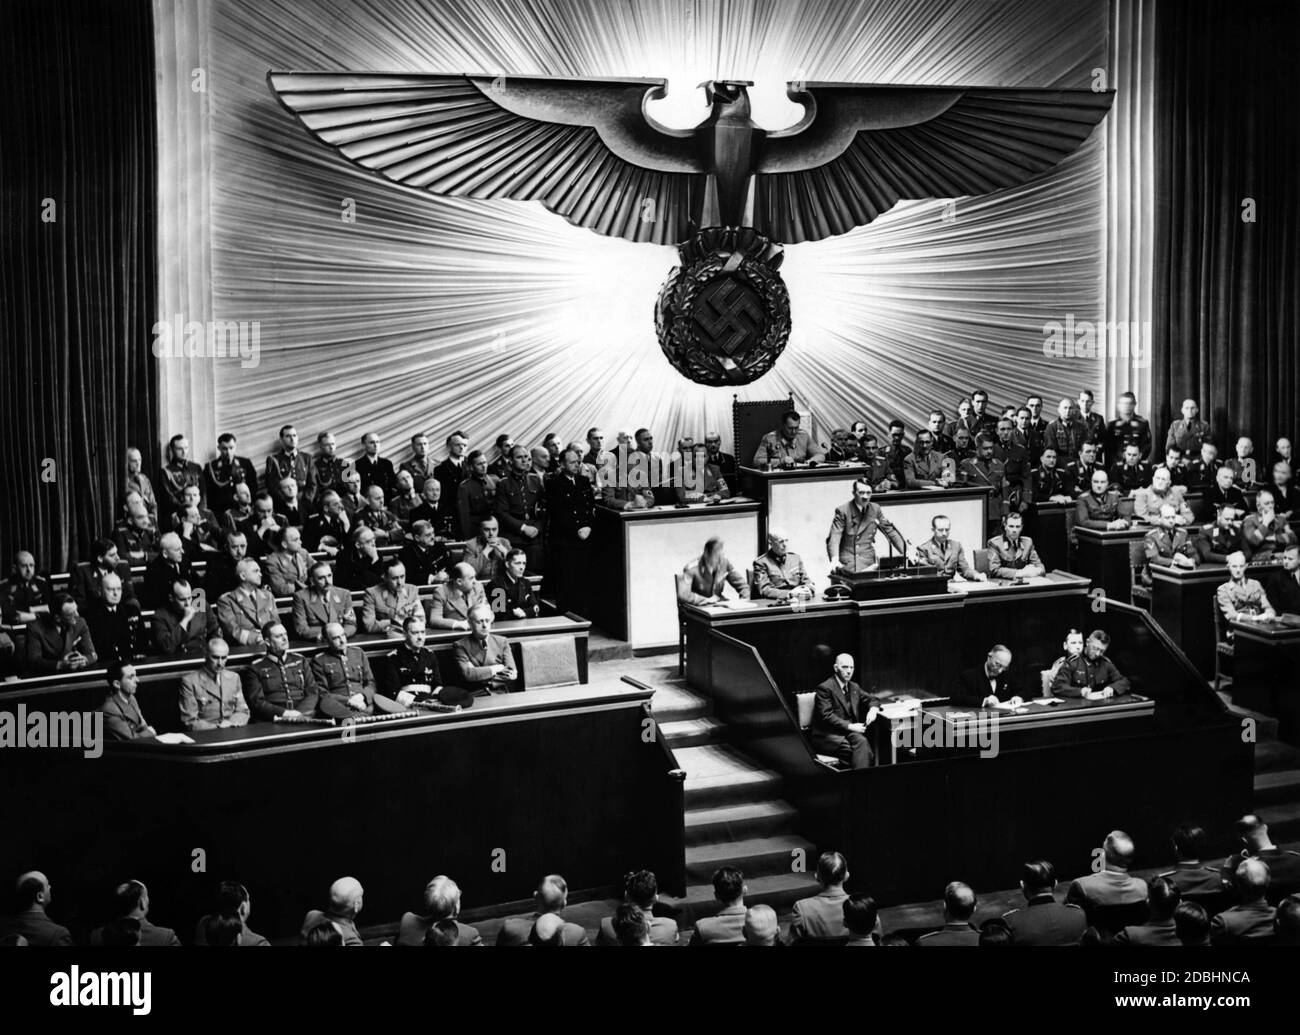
x=85, y=583
x=117, y=635
x=833, y=711
x=47, y=645
x=412, y=928
x=36, y=927
x=1283, y=593
x=158, y=579
x=568, y=507
x=973, y=687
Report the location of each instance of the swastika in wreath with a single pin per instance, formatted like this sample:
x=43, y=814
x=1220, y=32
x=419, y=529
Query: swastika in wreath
x=729, y=315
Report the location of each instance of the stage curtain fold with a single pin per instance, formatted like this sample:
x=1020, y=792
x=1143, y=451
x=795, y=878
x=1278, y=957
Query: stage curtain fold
x=77, y=384
x=1227, y=308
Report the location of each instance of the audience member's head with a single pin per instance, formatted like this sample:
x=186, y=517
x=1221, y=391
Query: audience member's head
x=323, y=935
x=442, y=899
x=1189, y=842
x=1286, y=923
x=760, y=926
x=1164, y=896
x=641, y=888
x=958, y=902
x=832, y=869
x=1118, y=849
x=995, y=932
x=1192, y=923
x=1251, y=880
x=1037, y=877
x=442, y=933
x=222, y=930
x=728, y=885
x=860, y=915
x=346, y=897
x=631, y=926
x=552, y=894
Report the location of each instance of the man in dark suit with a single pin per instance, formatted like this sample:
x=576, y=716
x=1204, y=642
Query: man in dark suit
x=550, y=898
x=1113, y=885
x=1190, y=875
x=441, y=902
x=59, y=641
x=727, y=926
x=1283, y=587
x=822, y=915
x=987, y=685
x=450, y=473
x=32, y=899
x=1042, y=920
x=641, y=892
x=1283, y=865
x=1251, y=920
x=171, y=565
x=181, y=628
x=569, y=521
x=725, y=462
x=85, y=578
x=1160, y=929
x=114, y=623
x=841, y=715
x=959, y=904
x=132, y=902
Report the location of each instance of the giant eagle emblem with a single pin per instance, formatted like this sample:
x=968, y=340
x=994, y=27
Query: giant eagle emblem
x=727, y=193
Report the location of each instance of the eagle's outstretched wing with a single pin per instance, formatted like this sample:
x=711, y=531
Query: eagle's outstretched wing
x=585, y=148
x=860, y=149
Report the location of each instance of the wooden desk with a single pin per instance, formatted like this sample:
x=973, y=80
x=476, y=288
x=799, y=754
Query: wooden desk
x=802, y=502
x=1105, y=558
x=1049, y=525
x=1266, y=673
x=518, y=786
x=1183, y=602
x=639, y=553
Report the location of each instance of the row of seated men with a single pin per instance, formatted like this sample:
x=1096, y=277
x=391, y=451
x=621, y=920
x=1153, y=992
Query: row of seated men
x=1248, y=899
x=334, y=685
x=59, y=638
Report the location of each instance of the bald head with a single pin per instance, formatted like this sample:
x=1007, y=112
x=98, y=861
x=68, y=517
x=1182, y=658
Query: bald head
x=345, y=896
x=959, y=901
x=552, y=894
x=442, y=898
x=1119, y=850
x=547, y=927
x=32, y=889
x=1251, y=879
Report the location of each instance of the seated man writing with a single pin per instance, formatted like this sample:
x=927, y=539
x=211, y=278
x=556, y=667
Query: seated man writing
x=1085, y=671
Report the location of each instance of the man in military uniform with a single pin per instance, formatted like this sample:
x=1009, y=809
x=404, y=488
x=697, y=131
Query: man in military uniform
x=476, y=494
x=327, y=466
x=420, y=464
x=1099, y=508
x=896, y=453
x=211, y=698
x=220, y=476
x=373, y=469
x=879, y=474
x=1051, y=483
x=86, y=586
x=243, y=611
x=1283, y=587
x=1283, y=864
x=1265, y=531
x=1012, y=555
x=850, y=543
x=1093, y=421
x=288, y=462
x=1245, y=471
x=196, y=524
x=345, y=681
x=520, y=508
x=983, y=470
x=114, y=623
x=221, y=575
x=925, y=466
x=379, y=519
x=452, y=601
x=1132, y=474
x=424, y=556
x=322, y=604
x=327, y=530
x=24, y=595
x=450, y=473
x=1015, y=467
x=485, y=660
x=1223, y=493
x=404, y=498
x=286, y=569
x=1147, y=502
x=1128, y=428
x=1284, y=492
x=1189, y=433
x=1080, y=469
x=1036, y=431
x=279, y=683
x=844, y=448
x=724, y=462
x=293, y=505
x=1167, y=544
x=985, y=423
x=962, y=447
x=1222, y=538
x=123, y=719
x=500, y=467
x=779, y=574
x=1242, y=599
x=386, y=606
x=1250, y=921
x=1174, y=463
x=938, y=437
x=409, y=673
x=510, y=593
x=964, y=420
x=178, y=473
x=571, y=516
x=361, y=565
x=486, y=552
x=946, y=553
x=1042, y=920
x=786, y=446
x=1085, y=671
x=1191, y=876
x=352, y=497
x=1067, y=433
x=1201, y=471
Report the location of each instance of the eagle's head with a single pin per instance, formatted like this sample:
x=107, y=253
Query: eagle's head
x=728, y=96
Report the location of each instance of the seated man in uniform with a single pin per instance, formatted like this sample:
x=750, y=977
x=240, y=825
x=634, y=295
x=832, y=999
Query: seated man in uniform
x=1216, y=541
x=361, y=565
x=844, y=447
x=1199, y=473
x=1012, y=555
x=279, y=684
x=405, y=498
x=320, y=604
x=486, y=663
x=878, y=476
x=114, y=623
x=409, y=674
x=841, y=715
x=987, y=685
x=1113, y=885
x=451, y=603
x=1085, y=671
x=946, y=553
x=1132, y=473
x=779, y=574
x=1286, y=495
x=327, y=530
x=1099, y=508
x=486, y=552
x=1250, y=921
x=701, y=480
x=787, y=446
x=1167, y=544
x=379, y=519
x=1147, y=501
x=1244, y=469
x=424, y=556
x=1224, y=493
x=1052, y=484
x=1283, y=587
x=263, y=526
x=243, y=611
x=703, y=580
x=1265, y=531
x=386, y=606
x=343, y=677
x=1242, y=599
x=1189, y=874
x=211, y=698
x=441, y=903
x=1043, y=920
x=123, y=719
x=641, y=892
x=1283, y=864
x=510, y=593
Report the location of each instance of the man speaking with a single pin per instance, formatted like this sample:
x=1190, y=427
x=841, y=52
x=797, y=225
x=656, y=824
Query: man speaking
x=850, y=545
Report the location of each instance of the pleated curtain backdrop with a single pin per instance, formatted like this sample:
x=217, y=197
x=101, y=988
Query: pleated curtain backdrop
x=386, y=309
x=77, y=376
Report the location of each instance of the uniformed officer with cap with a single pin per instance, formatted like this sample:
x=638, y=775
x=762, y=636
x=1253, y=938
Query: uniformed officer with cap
x=280, y=683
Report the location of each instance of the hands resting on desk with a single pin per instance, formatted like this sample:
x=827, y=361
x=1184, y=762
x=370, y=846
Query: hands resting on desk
x=868, y=719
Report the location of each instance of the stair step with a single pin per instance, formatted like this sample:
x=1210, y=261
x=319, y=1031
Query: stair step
x=1273, y=755
x=757, y=857
x=719, y=775
x=1277, y=787
x=692, y=732
x=674, y=704
x=735, y=822
x=780, y=892
x=1265, y=725
x=1283, y=820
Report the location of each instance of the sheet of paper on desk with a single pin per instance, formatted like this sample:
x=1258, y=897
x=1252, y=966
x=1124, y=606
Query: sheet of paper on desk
x=1045, y=700
x=174, y=738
